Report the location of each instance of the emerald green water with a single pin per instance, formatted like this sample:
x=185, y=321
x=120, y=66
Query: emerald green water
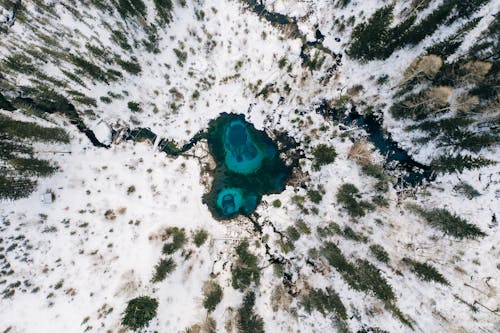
x=248, y=166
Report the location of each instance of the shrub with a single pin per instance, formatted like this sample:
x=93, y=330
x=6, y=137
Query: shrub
x=361, y=276
x=323, y=155
x=368, y=278
x=245, y=270
x=302, y=227
x=379, y=252
x=89, y=68
x=335, y=257
x=132, y=67
x=324, y=303
x=377, y=172
x=213, y=293
x=139, y=312
x=277, y=203
x=134, y=106
x=315, y=196
x=181, y=56
x=347, y=196
x=282, y=62
x=163, y=268
x=458, y=163
x=467, y=190
x=131, y=7
x=248, y=320
x=164, y=10
x=425, y=272
x=292, y=233
x=451, y=224
x=382, y=79
x=200, y=236
x=131, y=189
x=84, y=100
x=120, y=39
x=178, y=240
x=351, y=234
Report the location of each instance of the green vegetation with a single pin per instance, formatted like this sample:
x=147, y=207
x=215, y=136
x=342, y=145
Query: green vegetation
x=459, y=163
x=21, y=63
x=245, y=270
x=132, y=67
x=24, y=130
x=376, y=39
x=292, y=233
x=378, y=173
x=181, y=57
x=368, y=40
x=5, y=104
x=200, y=236
x=348, y=196
x=467, y=190
x=302, y=227
x=89, y=69
x=15, y=139
x=323, y=155
x=178, y=236
x=130, y=189
x=425, y=272
x=134, y=106
x=277, y=203
x=248, y=320
x=315, y=196
x=164, y=9
x=120, y=39
x=451, y=224
x=212, y=293
x=139, y=312
x=132, y=8
x=348, y=233
x=32, y=166
x=163, y=268
x=324, y=302
x=362, y=275
x=16, y=187
x=448, y=46
x=379, y=252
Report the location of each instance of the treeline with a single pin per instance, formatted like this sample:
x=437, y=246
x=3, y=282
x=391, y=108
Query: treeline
x=377, y=39
x=19, y=166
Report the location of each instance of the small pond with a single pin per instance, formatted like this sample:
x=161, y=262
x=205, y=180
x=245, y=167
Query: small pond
x=248, y=166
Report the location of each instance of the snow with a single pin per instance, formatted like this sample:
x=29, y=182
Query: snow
x=104, y=263
x=102, y=132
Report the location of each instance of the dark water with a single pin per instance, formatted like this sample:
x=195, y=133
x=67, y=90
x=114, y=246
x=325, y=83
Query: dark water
x=247, y=162
x=248, y=166
x=62, y=106
x=274, y=18
x=410, y=172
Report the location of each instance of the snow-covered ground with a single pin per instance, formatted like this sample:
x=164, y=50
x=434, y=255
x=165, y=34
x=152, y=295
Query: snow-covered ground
x=77, y=267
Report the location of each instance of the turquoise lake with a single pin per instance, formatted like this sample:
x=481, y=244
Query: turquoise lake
x=248, y=166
